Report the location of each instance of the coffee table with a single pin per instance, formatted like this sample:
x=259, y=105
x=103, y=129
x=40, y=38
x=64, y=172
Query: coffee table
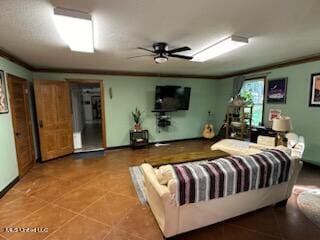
x=186, y=157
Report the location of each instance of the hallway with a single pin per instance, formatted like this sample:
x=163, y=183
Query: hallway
x=87, y=116
x=91, y=137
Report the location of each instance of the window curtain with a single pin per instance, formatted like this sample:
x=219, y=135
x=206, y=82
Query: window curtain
x=237, y=85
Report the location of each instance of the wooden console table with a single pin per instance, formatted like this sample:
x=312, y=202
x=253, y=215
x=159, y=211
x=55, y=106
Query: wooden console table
x=186, y=157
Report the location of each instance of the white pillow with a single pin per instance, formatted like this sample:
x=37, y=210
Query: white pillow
x=293, y=139
x=164, y=174
x=266, y=141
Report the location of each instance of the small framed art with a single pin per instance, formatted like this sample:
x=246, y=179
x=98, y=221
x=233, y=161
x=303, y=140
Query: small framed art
x=315, y=90
x=274, y=113
x=3, y=94
x=277, y=90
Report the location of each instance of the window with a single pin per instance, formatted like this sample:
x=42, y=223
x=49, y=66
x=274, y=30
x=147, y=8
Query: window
x=256, y=88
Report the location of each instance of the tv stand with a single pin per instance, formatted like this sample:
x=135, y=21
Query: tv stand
x=163, y=120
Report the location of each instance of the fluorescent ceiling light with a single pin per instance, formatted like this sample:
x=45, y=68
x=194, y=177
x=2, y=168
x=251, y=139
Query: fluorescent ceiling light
x=75, y=28
x=220, y=48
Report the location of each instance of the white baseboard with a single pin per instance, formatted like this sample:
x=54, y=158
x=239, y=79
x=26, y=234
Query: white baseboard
x=77, y=141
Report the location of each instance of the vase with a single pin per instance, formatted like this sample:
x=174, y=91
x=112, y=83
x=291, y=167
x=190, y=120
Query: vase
x=137, y=127
x=237, y=102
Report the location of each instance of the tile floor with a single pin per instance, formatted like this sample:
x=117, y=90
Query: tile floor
x=95, y=199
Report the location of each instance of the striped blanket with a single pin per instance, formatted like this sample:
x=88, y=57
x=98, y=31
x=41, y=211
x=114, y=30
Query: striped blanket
x=222, y=177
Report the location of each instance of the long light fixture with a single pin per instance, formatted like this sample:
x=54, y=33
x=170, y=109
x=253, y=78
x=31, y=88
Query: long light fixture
x=220, y=48
x=75, y=28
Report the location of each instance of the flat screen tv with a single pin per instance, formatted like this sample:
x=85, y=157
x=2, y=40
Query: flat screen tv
x=172, y=98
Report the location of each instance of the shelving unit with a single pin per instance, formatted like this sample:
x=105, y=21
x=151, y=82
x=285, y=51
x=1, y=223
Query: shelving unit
x=238, y=122
x=163, y=119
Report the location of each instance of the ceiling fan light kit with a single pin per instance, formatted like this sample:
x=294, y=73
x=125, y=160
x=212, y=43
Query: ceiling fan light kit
x=161, y=58
x=217, y=49
x=75, y=28
x=161, y=52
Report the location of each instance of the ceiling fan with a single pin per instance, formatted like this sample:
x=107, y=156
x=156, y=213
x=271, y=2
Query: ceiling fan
x=161, y=52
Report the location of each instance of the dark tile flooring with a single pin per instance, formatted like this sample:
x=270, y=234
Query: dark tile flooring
x=94, y=198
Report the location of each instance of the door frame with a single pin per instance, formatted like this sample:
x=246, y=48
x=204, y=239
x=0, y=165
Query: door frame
x=29, y=121
x=103, y=120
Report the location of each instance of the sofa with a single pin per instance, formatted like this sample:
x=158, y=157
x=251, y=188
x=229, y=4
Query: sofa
x=295, y=148
x=173, y=219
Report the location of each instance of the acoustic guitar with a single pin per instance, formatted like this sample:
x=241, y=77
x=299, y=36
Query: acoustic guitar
x=208, y=131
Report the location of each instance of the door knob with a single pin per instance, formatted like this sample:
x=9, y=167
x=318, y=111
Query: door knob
x=18, y=134
x=40, y=124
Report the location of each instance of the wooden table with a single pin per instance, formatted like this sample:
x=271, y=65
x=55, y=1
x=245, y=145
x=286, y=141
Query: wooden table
x=186, y=157
x=139, y=138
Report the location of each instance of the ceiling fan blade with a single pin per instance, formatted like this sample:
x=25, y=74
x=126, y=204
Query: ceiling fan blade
x=181, y=49
x=146, y=55
x=146, y=49
x=180, y=56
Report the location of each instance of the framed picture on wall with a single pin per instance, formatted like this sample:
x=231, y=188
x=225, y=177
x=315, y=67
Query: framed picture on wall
x=3, y=94
x=277, y=90
x=274, y=113
x=315, y=90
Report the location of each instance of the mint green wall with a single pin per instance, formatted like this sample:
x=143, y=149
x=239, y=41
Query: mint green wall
x=224, y=89
x=8, y=159
x=305, y=119
x=129, y=92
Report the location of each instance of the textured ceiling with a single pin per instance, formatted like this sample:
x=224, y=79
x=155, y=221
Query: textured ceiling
x=278, y=31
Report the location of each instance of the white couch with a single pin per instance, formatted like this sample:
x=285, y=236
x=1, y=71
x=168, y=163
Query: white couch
x=173, y=219
x=296, y=145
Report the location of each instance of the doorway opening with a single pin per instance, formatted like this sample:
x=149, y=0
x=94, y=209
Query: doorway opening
x=87, y=115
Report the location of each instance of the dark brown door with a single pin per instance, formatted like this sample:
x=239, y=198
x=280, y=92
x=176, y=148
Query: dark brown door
x=54, y=118
x=19, y=104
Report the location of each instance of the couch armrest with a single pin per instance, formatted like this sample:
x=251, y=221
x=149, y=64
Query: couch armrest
x=297, y=145
x=297, y=165
x=161, y=202
x=149, y=174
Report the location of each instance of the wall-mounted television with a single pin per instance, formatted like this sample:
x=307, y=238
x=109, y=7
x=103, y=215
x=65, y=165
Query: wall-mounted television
x=172, y=98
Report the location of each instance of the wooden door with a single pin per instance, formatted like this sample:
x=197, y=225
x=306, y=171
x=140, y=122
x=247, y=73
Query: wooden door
x=20, y=111
x=54, y=118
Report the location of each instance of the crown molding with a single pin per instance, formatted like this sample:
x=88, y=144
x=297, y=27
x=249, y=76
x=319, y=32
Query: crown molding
x=287, y=63
x=5, y=54
x=121, y=73
x=290, y=62
x=14, y=59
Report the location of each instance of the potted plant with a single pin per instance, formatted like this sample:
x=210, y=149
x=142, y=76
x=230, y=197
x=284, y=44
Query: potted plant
x=247, y=98
x=136, y=114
